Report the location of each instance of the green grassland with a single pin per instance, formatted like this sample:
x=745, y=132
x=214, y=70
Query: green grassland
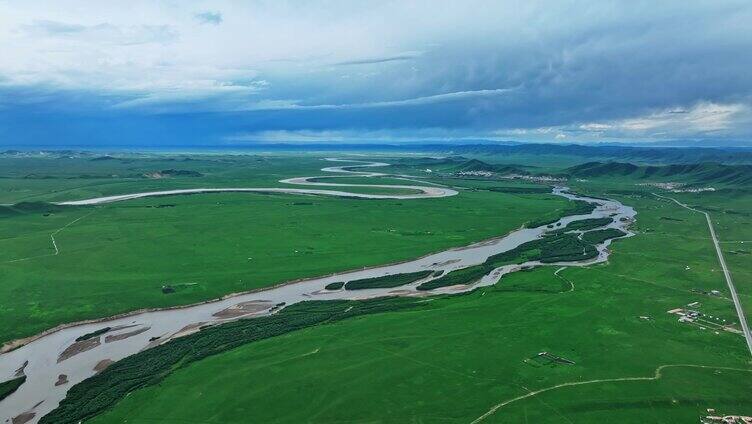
x=731, y=212
x=116, y=257
x=59, y=178
x=148, y=367
x=462, y=356
x=730, y=208
x=441, y=359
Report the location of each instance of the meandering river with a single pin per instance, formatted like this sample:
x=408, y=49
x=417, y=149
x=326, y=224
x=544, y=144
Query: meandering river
x=54, y=362
x=422, y=191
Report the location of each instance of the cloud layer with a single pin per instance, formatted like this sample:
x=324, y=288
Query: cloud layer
x=200, y=72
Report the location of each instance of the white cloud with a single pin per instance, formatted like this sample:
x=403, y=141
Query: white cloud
x=416, y=101
x=281, y=136
x=224, y=97
x=437, y=135
x=702, y=118
x=103, y=33
x=595, y=127
x=74, y=43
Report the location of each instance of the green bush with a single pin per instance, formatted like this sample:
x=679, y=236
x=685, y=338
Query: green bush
x=96, y=333
x=461, y=276
x=8, y=387
x=599, y=236
x=553, y=247
x=578, y=207
x=387, y=281
x=588, y=224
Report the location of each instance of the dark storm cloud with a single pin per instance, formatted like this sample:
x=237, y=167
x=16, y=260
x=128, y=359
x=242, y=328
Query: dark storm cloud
x=583, y=70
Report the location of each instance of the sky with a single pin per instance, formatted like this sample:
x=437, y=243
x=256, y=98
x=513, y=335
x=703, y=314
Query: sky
x=213, y=73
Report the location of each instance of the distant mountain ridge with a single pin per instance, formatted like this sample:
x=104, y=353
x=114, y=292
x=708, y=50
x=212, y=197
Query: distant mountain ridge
x=624, y=153
x=695, y=172
x=645, y=154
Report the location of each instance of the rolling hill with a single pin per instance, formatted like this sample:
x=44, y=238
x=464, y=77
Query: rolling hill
x=653, y=155
x=699, y=173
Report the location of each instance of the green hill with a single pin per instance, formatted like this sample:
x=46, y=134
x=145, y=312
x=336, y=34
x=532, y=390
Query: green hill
x=662, y=155
x=697, y=173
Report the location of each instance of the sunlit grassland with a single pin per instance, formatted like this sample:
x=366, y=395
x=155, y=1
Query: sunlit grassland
x=116, y=257
x=730, y=210
x=459, y=358
x=59, y=179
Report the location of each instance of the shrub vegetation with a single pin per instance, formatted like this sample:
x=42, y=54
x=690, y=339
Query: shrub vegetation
x=387, y=281
x=578, y=207
x=8, y=387
x=149, y=367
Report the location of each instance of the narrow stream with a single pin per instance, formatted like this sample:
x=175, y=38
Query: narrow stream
x=58, y=354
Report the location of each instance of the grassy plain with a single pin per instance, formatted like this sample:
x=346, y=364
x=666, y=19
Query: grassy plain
x=461, y=357
x=730, y=208
x=452, y=359
x=731, y=212
x=60, y=178
x=116, y=257
x=148, y=367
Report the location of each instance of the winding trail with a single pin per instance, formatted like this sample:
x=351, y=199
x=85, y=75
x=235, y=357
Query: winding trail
x=52, y=236
x=52, y=239
x=564, y=279
x=656, y=376
x=726, y=273
x=59, y=351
